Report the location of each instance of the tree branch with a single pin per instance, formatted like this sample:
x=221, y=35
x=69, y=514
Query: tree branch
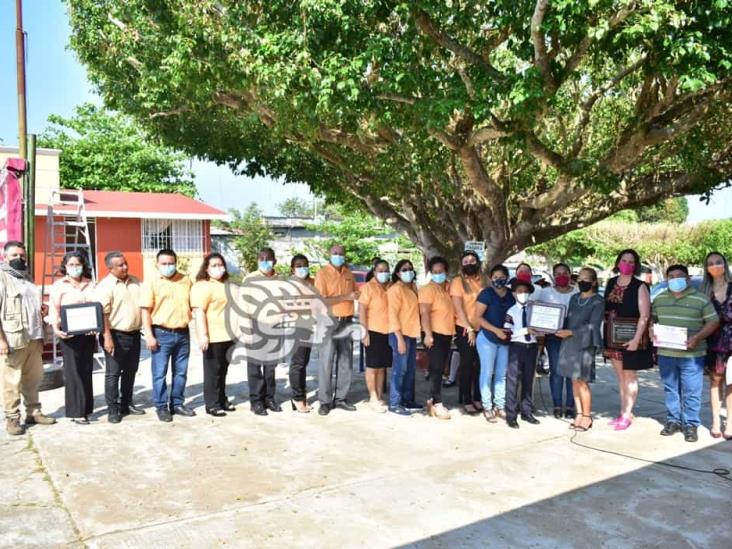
x=541, y=59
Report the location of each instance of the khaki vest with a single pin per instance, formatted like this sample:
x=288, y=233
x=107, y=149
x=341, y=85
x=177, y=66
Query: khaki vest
x=13, y=319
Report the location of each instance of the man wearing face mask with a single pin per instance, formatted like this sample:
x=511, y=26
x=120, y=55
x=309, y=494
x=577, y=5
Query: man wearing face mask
x=166, y=313
x=119, y=294
x=261, y=377
x=337, y=286
x=521, y=358
x=21, y=340
x=682, y=371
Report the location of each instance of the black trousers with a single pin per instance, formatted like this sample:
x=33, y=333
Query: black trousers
x=215, y=367
x=78, y=353
x=521, y=368
x=298, y=372
x=469, y=371
x=261, y=381
x=121, y=366
x=438, y=357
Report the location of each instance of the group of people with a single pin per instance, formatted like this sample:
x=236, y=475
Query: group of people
x=483, y=312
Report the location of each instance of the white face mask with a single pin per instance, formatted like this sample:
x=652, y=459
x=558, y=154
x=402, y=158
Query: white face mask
x=522, y=298
x=216, y=272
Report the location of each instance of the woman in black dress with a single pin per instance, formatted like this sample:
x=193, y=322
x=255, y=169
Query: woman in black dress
x=627, y=297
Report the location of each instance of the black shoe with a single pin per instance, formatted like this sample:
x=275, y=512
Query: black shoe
x=343, y=405
x=414, y=407
x=399, y=410
x=81, y=420
x=259, y=409
x=557, y=412
x=218, y=412
x=164, y=415
x=324, y=409
x=270, y=404
x=183, y=410
x=512, y=423
x=569, y=413
x=690, y=433
x=131, y=409
x=113, y=415
x=228, y=406
x=670, y=428
x=530, y=419
x=447, y=384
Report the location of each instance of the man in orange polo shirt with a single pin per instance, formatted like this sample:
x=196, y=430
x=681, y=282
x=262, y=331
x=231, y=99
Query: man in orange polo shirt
x=336, y=284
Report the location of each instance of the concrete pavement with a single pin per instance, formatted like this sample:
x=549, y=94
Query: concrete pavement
x=358, y=479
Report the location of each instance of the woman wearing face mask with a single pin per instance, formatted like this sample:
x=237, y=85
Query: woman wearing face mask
x=300, y=272
x=403, y=307
x=373, y=314
x=492, y=343
x=76, y=286
x=581, y=338
x=717, y=286
x=438, y=325
x=627, y=297
x=559, y=294
x=464, y=290
x=524, y=273
x=208, y=301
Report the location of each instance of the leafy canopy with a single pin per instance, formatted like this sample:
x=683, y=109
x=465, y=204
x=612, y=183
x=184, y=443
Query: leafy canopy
x=101, y=150
x=252, y=234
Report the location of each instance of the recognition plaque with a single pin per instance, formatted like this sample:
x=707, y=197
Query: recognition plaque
x=82, y=318
x=621, y=330
x=545, y=317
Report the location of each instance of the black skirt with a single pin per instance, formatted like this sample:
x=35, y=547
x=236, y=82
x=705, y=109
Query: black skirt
x=378, y=353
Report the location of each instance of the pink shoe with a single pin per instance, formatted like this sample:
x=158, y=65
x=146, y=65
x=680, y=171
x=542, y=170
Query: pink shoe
x=614, y=420
x=623, y=423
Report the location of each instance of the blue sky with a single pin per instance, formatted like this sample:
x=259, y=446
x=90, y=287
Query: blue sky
x=56, y=83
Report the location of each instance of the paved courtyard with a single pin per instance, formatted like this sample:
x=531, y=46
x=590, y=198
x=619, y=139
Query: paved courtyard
x=356, y=479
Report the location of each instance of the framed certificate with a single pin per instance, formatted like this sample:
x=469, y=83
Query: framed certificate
x=670, y=337
x=82, y=318
x=545, y=317
x=621, y=330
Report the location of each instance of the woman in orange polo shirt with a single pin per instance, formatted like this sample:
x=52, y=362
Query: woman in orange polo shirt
x=403, y=307
x=438, y=325
x=464, y=290
x=208, y=301
x=373, y=314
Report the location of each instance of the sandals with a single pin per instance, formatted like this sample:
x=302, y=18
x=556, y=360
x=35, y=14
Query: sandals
x=582, y=429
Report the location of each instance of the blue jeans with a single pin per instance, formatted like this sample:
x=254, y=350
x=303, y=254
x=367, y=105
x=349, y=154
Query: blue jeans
x=172, y=347
x=557, y=382
x=403, y=368
x=493, y=365
x=683, y=381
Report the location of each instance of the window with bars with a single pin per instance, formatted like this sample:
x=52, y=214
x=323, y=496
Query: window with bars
x=181, y=235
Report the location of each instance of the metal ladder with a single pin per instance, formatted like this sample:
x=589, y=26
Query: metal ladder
x=66, y=211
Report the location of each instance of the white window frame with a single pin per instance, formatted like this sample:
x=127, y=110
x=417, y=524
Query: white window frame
x=180, y=235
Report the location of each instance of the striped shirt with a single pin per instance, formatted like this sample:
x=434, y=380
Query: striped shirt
x=691, y=310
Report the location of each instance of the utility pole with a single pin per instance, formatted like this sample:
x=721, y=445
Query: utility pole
x=20, y=66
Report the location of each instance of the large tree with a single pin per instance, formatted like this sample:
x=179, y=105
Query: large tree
x=102, y=150
x=510, y=121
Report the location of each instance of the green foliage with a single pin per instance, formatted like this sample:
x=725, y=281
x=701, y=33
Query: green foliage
x=252, y=232
x=295, y=207
x=102, y=150
x=451, y=121
x=672, y=210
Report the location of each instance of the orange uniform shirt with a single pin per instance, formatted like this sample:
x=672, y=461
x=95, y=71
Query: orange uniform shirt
x=469, y=298
x=442, y=312
x=403, y=310
x=374, y=300
x=330, y=282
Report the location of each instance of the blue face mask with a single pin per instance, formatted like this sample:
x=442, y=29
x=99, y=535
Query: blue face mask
x=406, y=276
x=383, y=277
x=677, y=284
x=167, y=270
x=302, y=272
x=500, y=283
x=439, y=278
x=74, y=272
x=266, y=266
x=337, y=260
